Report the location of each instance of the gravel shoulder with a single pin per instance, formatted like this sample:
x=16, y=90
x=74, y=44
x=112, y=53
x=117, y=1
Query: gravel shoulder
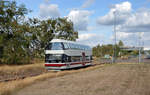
x=118, y=79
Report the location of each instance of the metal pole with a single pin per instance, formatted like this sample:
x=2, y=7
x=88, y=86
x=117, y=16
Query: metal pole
x=139, y=47
x=114, y=47
x=139, y=55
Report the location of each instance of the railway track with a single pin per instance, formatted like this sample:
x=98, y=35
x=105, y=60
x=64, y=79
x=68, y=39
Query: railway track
x=32, y=75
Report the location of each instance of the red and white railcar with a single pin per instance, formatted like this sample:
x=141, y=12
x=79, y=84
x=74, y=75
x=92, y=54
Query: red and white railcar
x=62, y=54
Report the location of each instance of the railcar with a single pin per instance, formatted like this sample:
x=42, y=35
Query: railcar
x=62, y=54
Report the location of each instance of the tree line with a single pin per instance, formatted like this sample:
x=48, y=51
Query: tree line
x=23, y=38
x=102, y=50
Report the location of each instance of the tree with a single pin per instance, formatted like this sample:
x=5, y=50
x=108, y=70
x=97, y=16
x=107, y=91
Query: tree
x=101, y=51
x=119, y=50
x=97, y=51
x=65, y=29
x=12, y=31
x=120, y=43
x=42, y=32
x=22, y=39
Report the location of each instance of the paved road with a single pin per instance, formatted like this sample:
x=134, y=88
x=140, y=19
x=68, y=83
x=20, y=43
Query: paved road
x=128, y=79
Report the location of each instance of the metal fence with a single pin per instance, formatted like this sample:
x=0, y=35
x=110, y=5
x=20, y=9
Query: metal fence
x=124, y=60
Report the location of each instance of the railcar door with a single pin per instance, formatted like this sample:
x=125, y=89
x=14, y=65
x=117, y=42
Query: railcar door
x=83, y=58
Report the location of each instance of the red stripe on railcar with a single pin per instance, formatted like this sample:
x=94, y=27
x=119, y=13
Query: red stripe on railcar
x=74, y=63
x=55, y=65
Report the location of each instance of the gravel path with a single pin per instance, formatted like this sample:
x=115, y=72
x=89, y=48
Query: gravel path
x=118, y=79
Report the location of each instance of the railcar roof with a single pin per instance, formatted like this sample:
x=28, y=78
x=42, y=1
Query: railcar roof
x=60, y=40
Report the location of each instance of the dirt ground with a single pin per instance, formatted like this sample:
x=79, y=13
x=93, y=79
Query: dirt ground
x=118, y=79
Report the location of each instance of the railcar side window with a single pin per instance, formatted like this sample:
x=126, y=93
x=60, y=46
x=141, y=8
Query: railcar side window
x=75, y=58
x=75, y=46
x=66, y=45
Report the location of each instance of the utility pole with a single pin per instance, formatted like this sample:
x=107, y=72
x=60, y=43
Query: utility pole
x=139, y=54
x=114, y=46
x=139, y=48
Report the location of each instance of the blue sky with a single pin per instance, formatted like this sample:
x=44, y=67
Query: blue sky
x=100, y=6
x=93, y=18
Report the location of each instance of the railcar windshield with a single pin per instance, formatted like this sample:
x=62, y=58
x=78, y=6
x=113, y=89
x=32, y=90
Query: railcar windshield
x=54, y=46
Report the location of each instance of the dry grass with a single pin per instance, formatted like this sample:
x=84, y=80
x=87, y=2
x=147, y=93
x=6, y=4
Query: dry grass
x=7, y=88
x=16, y=68
x=12, y=72
x=114, y=79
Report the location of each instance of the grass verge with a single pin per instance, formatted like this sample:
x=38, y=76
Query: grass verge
x=7, y=88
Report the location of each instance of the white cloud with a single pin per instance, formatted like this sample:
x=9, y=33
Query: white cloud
x=91, y=39
x=92, y=28
x=87, y=3
x=129, y=24
x=85, y=36
x=137, y=22
x=80, y=18
x=123, y=35
x=46, y=1
x=129, y=39
x=127, y=21
x=145, y=36
x=132, y=39
x=122, y=11
x=49, y=11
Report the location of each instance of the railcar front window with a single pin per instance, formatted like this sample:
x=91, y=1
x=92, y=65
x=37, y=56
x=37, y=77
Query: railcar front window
x=55, y=46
